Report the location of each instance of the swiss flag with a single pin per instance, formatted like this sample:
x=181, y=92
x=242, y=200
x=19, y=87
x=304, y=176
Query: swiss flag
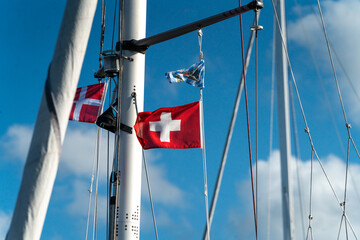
x=170, y=127
x=88, y=103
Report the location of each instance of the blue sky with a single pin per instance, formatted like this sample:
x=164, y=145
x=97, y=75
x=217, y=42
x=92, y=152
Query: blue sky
x=29, y=32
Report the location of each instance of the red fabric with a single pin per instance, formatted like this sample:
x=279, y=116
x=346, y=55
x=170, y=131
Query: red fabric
x=182, y=130
x=87, y=103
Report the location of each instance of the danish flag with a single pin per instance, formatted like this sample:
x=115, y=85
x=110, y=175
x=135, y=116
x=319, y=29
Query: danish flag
x=88, y=103
x=170, y=127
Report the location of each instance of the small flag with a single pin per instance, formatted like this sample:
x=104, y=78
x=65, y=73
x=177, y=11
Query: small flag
x=194, y=75
x=88, y=103
x=170, y=127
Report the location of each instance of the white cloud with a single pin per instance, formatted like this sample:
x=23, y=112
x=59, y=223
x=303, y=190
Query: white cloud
x=80, y=195
x=4, y=224
x=162, y=190
x=16, y=141
x=340, y=17
x=77, y=160
x=78, y=152
x=325, y=208
x=78, y=149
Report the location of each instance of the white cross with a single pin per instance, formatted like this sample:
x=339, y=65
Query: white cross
x=81, y=101
x=165, y=126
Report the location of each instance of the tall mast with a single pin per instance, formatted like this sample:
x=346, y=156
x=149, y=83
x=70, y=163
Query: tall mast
x=284, y=122
x=128, y=162
x=52, y=119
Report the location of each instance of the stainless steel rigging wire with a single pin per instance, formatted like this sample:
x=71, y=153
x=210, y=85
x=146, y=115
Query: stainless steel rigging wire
x=230, y=130
x=304, y=118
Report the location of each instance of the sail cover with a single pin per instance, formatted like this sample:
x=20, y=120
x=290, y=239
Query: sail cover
x=50, y=127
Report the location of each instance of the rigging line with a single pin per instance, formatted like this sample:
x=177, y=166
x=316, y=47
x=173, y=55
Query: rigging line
x=201, y=56
x=248, y=124
x=310, y=195
x=304, y=118
x=118, y=114
x=322, y=84
x=297, y=160
x=346, y=183
x=345, y=72
x=89, y=207
x=327, y=178
x=149, y=191
x=337, y=57
x=309, y=46
x=204, y=165
x=113, y=30
x=102, y=34
x=97, y=182
x=288, y=60
x=331, y=60
x=271, y=131
x=256, y=122
x=90, y=192
x=338, y=89
x=301, y=107
x=200, y=34
x=107, y=171
x=230, y=132
x=341, y=221
x=147, y=175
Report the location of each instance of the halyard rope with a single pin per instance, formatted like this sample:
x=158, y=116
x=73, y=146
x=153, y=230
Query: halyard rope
x=147, y=176
x=248, y=123
x=206, y=195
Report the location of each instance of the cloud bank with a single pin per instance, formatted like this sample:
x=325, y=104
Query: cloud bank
x=326, y=211
x=340, y=17
x=77, y=160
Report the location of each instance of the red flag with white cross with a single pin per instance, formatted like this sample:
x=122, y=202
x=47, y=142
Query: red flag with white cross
x=170, y=127
x=88, y=103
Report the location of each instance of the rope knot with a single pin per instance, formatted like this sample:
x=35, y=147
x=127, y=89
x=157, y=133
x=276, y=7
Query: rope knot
x=311, y=217
x=307, y=130
x=342, y=204
x=348, y=125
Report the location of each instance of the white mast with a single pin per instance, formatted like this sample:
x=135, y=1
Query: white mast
x=284, y=122
x=129, y=156
x=44, y=153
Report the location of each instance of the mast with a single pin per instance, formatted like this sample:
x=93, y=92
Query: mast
x=128, y=158
x=284, y=122
x=50, y=127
